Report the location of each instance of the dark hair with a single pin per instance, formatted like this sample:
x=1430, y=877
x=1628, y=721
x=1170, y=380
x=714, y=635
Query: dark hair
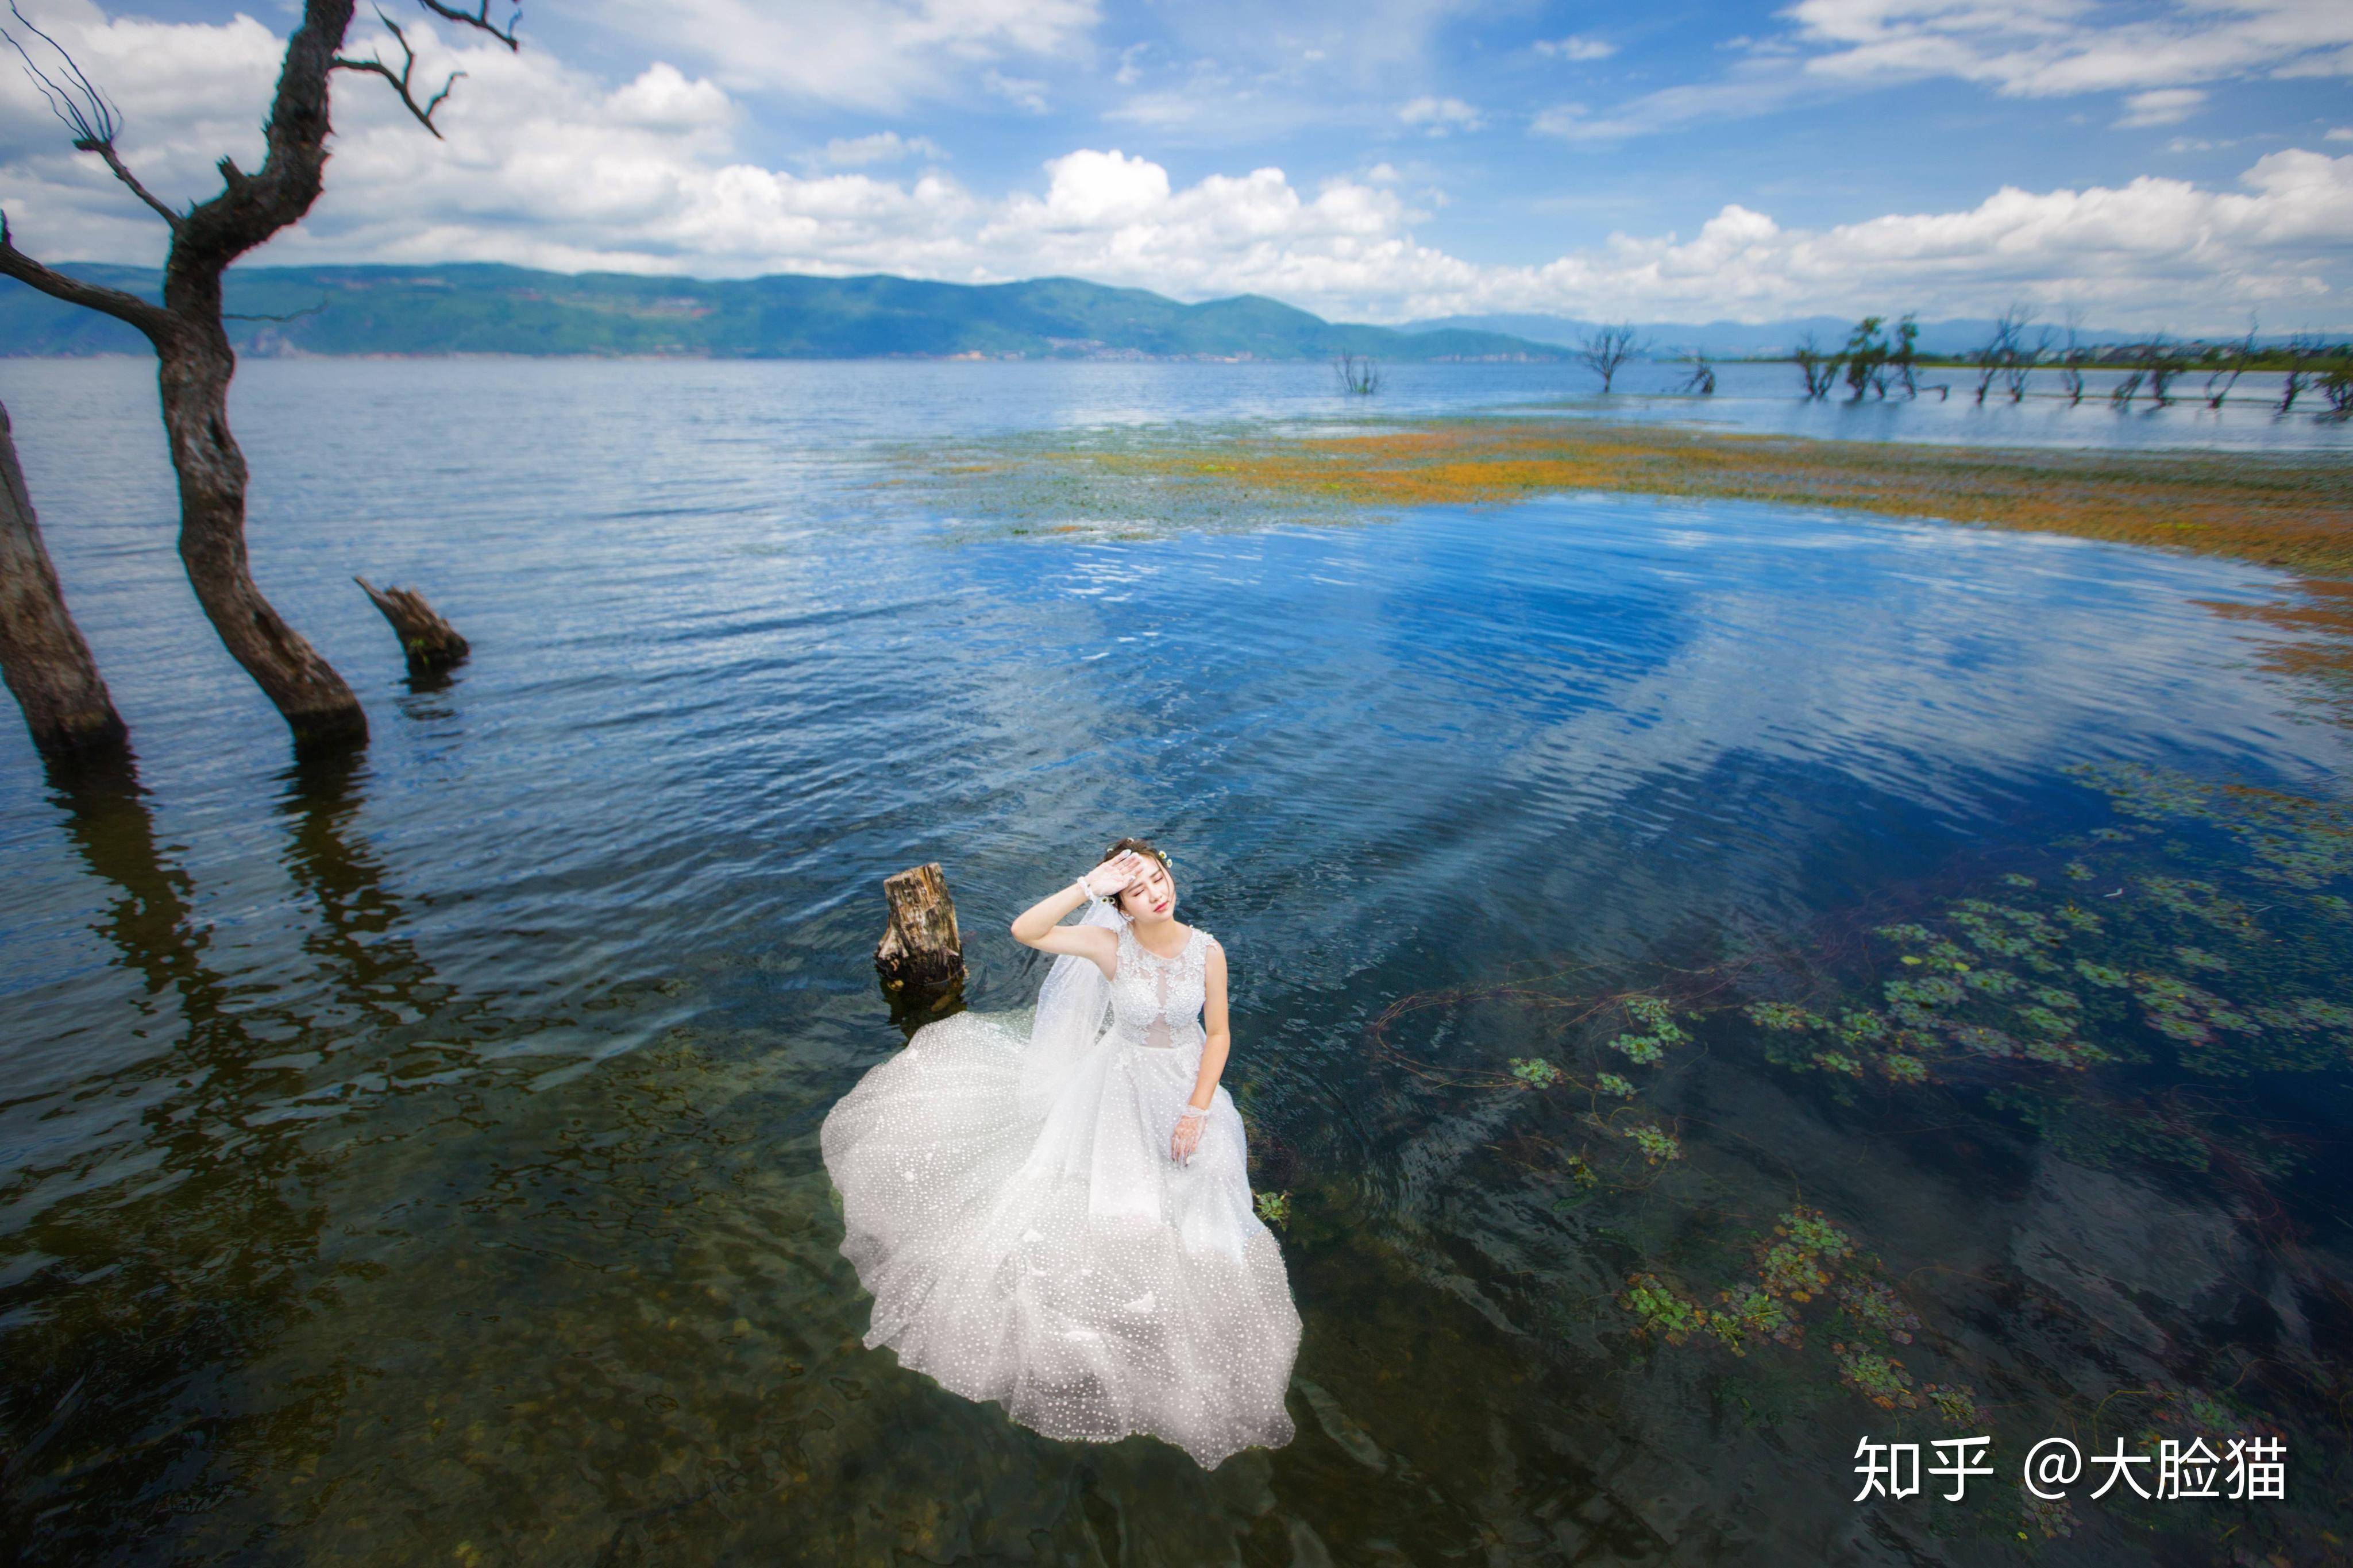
x=1136, y=846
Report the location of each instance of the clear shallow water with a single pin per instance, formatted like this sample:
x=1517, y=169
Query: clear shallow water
x=417, y=1159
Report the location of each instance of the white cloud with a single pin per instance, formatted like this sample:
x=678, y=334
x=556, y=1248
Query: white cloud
x=2340, y=133
x=544, y=166
x=2042, y=48
x=867, y=54
x=2162, y=106
x=881, y=147
x=1576, y=47
x=1440, y=115
x=1022, y=92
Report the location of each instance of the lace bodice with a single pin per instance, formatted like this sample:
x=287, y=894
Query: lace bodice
x=1156, y=1002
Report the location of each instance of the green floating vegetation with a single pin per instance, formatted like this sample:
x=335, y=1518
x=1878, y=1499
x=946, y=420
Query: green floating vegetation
x=2203, y=936
x=1273, y=1208
x=1535, y=1072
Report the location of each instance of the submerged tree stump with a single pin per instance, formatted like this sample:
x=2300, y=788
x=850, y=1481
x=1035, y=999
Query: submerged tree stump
x=431, y=642
x=921, y=955
x=42, y=658
x=922, y=946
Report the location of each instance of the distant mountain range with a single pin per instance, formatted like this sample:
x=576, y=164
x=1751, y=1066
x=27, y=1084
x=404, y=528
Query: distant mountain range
x=1735, y=340
x=493, y=309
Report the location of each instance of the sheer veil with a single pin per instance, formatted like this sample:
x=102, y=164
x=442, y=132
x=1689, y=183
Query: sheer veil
x=1069, y=1020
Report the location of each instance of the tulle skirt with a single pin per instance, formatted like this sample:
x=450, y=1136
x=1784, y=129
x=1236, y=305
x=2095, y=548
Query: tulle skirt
x=1059, y=1263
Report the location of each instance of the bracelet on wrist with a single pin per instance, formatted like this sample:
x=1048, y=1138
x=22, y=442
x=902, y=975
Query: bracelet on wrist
x=1086, y=893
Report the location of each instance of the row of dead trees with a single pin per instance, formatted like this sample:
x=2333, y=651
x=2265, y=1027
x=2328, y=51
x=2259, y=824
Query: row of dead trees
x=1880, y=360
x=44, y=659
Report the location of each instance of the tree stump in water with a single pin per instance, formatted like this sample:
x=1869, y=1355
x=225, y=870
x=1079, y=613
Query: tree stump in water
x=921, y=956
x=431, y=642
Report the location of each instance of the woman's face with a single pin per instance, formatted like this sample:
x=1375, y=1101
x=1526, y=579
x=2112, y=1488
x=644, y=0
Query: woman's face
x=1152, y=896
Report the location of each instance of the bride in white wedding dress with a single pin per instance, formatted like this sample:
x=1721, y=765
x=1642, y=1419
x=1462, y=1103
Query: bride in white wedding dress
x=1061, y=1222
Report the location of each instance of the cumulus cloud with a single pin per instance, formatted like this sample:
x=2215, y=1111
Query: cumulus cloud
x=545, y=166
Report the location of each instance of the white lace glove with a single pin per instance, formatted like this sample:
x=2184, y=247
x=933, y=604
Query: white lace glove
x=1190, y=1124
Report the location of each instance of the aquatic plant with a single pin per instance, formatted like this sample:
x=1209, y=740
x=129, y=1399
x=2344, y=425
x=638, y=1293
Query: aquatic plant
x=1659, y=1310
x=1749, y=1314
x=1611, y=1083
x=2285, y=510
x=1656, y=1145
x=1879, y=1379
x=1273, y=1208
x=2055, y=1517
x=1873, y=1303
x=1957, y=1403
x=1781, y=1016
x=1535, y=1071
x=1659, y=1029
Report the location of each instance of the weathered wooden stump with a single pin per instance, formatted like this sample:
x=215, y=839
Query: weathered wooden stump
x=921, y=955
x=431, y=642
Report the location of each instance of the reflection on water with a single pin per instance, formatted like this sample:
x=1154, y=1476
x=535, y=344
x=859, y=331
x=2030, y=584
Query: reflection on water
x=417, y=1160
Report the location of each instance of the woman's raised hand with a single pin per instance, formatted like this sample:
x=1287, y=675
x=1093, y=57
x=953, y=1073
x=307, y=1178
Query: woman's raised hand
x=1115, y=876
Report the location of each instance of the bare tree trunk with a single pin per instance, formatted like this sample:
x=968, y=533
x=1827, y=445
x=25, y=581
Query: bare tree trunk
x=316, y=702
x=43, y=656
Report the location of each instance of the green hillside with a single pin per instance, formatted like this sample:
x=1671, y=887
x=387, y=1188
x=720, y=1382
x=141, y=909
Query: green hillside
x=482, y=309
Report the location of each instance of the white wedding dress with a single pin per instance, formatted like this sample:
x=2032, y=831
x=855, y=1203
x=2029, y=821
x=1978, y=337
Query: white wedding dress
x=1011, y=1204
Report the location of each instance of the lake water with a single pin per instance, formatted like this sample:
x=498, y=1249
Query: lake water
x=415, y=1160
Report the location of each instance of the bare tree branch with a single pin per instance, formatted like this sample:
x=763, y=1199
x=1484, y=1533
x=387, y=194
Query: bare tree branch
x=89, y=113
x=148, y=318
x=479, y=20
x=86, y=111
x=374, y=64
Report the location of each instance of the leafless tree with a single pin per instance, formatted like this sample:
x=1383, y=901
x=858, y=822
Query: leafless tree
x=2125, y=391
x=43, y=658
x=2303, y=350
x=2336, y=386
x=2165, y=367
x=1358, y=375
x=1820, y=368
x=2023, y=357
x=2071, y=356
x=2226, y=375
x=1701, y=382
x=2001, y=351
x=192, y=347
x=1606, y=349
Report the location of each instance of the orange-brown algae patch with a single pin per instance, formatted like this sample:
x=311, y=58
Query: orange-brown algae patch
x=2283, y=511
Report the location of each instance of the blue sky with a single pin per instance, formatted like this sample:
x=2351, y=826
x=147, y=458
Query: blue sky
x=2178, y=163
